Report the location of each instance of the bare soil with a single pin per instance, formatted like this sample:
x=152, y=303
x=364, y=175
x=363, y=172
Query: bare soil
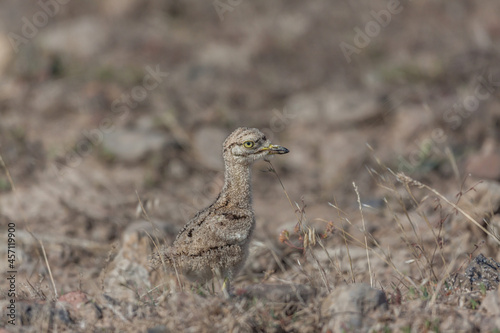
x=112, y=118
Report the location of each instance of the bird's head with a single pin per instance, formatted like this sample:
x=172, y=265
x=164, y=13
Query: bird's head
x=246, y=145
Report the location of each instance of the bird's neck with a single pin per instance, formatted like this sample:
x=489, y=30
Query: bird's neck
x=237, y=190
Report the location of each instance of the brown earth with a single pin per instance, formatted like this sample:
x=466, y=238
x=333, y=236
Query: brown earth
x=107, y=106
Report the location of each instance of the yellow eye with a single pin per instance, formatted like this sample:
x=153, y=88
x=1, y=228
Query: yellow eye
x=248, y=144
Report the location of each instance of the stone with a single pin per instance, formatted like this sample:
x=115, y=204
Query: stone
x=82, y=37
x=410, y=124
x=494, y=228
x=6, y=53
x=486, y=163
x=490, y=308
x=338, y=108
x=346, y=308
x=483, y=204
x=282, y=293
x=132, y=145
x=491, y=303
x=49, y=98
x=207, y=145
x=456, y=322
x=351, y=145
x=118, y=8
x=127, y=276
x=74, y=298
x=481, y=274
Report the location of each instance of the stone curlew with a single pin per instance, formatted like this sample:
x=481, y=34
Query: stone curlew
x=215, y=241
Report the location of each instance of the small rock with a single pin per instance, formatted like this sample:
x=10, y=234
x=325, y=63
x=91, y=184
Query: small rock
x=127, y=276
x=494, y=228
x=131, y=145
x=32, y=313
x=348, y=144
x=337, y=108
x=346, y=308
x=481, y=204
x=282, y=293
x=6, y=53
x=82, y=37
x=74, y=298
x=491, y=303
x=481, y=274
x=351, y=108
x=208, y=147
x=48, y=99
x=118, y=8
x=157, y=329
x=456, y=322
x=82, y=310
x=488, y=324
x=486, y=163
x=410, y=124
x=260, y=257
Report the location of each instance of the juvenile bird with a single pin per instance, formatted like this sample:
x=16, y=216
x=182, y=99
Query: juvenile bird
x=215, y=241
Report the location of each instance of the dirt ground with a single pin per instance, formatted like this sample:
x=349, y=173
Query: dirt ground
x=112, y=118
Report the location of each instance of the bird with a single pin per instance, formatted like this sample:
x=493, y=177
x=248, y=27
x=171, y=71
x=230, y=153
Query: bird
x=215, y=242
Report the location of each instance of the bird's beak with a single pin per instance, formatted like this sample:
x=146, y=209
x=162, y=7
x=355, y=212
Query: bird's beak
x=275, y=149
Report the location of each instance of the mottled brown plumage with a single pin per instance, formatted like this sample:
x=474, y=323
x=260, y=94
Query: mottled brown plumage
x=215, y=241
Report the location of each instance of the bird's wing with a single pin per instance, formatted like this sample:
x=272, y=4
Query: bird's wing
x=215, y=230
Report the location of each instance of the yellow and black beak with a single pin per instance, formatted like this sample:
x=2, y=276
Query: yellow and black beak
x=275, y=149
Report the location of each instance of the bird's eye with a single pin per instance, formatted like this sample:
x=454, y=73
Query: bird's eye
x=248, y=144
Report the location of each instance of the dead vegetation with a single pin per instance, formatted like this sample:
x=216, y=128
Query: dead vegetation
x=384, y=217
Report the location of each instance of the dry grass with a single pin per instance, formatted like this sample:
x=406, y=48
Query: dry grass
x=321, y=253
x=83, y=268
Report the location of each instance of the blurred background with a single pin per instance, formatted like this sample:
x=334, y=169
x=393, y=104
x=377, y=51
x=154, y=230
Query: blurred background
x=104, y=102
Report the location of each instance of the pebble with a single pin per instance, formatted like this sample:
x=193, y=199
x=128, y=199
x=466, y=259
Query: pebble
x=486, y=163
x=346, y=308
x=208, y=147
